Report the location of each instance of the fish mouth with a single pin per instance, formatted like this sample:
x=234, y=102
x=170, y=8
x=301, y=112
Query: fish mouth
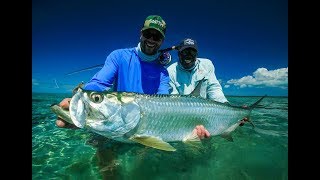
x=54, y=104
x=77, y=110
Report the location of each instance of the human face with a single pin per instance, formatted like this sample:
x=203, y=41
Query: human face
x=188, y=57
x=150, y=41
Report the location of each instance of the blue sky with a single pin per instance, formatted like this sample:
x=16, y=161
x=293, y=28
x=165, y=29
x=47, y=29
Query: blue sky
x=246, y=40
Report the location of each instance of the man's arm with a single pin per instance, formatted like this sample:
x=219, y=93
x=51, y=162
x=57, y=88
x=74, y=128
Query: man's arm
x=172, y=75
x=164, y=83
x=214, y=89
x=173, y=88
x=103, y=79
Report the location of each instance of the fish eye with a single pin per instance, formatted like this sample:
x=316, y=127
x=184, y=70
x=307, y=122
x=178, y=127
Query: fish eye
x=96, y=97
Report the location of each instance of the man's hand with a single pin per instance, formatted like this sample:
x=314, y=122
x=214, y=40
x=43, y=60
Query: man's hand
x=64, y=104
x=204, y=133
x=201, y=132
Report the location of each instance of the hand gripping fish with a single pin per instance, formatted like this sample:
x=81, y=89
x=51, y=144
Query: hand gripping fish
x=151, y=120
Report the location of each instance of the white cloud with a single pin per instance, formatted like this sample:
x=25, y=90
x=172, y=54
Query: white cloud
x=263, y=77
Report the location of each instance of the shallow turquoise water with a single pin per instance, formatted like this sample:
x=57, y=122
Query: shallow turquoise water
x=259, y=153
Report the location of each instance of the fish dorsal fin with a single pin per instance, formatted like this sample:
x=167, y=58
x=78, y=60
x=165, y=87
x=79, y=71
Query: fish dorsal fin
x=197, y=90
x=75, y=90
x=152, y=141
x=192, y=139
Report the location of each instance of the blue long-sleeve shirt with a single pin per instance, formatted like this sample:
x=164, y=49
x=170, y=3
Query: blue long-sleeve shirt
x=125, y=71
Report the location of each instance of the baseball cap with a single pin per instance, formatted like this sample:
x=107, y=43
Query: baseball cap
x=188, y=43
x=155, y=22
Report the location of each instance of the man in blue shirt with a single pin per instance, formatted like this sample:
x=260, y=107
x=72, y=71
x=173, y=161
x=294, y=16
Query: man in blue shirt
x=135, y=69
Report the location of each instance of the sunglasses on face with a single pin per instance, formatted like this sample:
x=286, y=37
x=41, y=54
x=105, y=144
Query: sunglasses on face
x=189, y=53
x=149, y=34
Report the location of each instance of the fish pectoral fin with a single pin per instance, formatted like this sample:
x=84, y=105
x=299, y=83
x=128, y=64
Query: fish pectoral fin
x=192, y=139
x=154, y=142
x=227, y=136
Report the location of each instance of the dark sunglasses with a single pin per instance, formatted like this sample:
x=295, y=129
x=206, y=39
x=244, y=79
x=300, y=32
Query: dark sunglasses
x=149, y=34
x=189, y=53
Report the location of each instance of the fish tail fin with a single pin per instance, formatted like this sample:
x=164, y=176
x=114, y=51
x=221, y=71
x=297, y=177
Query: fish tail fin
x=265, y=106
x=252, y=107
x=256, y=103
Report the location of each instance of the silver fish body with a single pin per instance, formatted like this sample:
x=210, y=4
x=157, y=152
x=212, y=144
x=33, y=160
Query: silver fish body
x=173, y=117
x=152, y=119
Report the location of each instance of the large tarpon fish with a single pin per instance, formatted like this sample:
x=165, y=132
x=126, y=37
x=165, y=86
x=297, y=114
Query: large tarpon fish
x=151, y=120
